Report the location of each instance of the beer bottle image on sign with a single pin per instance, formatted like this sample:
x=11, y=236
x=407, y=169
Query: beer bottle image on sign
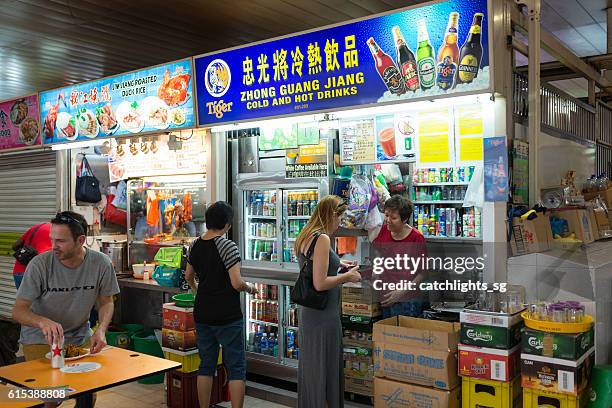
x=425, y=58
x=448, y=55
x=406, y=61
x=386, y=69
x=471, y=53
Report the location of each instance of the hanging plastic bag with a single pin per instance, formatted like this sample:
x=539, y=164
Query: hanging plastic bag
x=359, y=202
x=382, y=192
x=474, y=196
x=169, y=256
x=120, y=200
x=374, y=223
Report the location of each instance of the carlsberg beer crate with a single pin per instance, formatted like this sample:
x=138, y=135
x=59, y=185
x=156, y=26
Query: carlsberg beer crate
x=563, y=346
x=490, y=329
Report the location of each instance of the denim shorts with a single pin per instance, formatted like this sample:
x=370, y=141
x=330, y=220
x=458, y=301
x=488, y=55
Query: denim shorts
x=231, y=337
x=411, y=308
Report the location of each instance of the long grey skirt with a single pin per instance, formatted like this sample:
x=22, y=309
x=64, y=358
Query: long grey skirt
x=320, y=374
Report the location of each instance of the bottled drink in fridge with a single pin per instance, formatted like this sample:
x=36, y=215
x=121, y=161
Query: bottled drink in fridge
x=386, y=68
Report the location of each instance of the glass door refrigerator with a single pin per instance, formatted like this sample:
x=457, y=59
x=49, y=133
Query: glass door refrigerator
x=272, y=214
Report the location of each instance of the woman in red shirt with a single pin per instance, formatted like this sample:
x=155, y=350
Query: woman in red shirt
x=38, y=238
x=406, y=246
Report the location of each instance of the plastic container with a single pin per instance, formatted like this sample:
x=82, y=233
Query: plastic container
x=601, y=387
x=184, y=300
x=558, y=327
x=118, y=337
x=145, y=342
x=538, y=399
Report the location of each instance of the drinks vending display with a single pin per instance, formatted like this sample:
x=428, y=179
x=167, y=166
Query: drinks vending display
x=261, y=226
x=300, y=205
x=292, y=348
x=435, y=221
x=262, y=323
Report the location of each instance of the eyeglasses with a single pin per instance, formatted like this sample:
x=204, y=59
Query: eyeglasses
x=63, y=218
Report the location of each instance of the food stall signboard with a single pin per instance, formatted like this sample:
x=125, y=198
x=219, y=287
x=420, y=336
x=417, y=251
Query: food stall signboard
x=150, y=100
x=19, y=123
x=423, y=52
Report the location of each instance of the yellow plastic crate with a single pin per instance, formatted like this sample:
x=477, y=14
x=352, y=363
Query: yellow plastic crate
x=547, y=399
x=190, y=360
x=478, y=393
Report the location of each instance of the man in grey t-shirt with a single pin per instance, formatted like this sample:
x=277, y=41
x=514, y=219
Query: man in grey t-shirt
x=59, y=289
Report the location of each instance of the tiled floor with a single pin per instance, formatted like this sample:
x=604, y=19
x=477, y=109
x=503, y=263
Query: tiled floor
x=134, y=395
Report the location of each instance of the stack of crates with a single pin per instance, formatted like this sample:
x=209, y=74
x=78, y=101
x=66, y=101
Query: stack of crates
x=179, y=344
x=556, y=368
x=360, y=309
x=489, y=359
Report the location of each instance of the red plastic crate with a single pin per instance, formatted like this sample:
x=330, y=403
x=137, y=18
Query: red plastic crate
x=183, y=389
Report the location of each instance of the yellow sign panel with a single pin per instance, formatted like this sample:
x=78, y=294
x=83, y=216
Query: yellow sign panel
x=470, y=121
x=433, y=122
x=434, y=148
x=470, y=148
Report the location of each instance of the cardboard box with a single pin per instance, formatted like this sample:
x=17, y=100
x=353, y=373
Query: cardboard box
x=358, y=366
x=556, y=375
x=392, y=394
x=359, y=323
x=491, y=336
x=605, y=196
x=177, y=318
x=418, y=351
x=484, y=318
x=361, y=309
x=602, y=220
x=579, y=223
x=487, y=393
x=355, y=338
x=563, y=346
x=359, y=293
x=359, y=386
x=179, y=340
x=530, y=236
x=489, y=363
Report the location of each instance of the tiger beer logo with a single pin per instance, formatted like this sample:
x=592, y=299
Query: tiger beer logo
x=474, y=335
x=217, y=78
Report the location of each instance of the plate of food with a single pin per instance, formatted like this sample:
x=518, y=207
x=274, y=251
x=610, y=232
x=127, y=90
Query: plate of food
x=28, y=131
x=19, y=111
x=87, y=123
x=72, y=352
x=178, y=116
x=107, y=119
x=174, y=90
x=66, y=126
x=157, y=113
x=130, y=116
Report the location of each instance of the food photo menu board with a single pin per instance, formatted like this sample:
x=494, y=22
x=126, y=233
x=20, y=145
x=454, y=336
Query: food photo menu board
x=19, y=123
x=150, y=100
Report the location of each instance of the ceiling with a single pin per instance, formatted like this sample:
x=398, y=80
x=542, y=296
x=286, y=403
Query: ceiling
x=46, y=44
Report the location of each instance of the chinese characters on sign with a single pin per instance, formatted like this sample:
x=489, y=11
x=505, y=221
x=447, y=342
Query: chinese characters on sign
x=152, y=99
x=438, y=49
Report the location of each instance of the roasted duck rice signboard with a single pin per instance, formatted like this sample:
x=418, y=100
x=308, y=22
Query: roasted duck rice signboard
x=419, y=53
x=19, y=123
x=150, y=100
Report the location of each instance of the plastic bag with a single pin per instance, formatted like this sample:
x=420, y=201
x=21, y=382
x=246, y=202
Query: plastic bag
x=382, y=192
x=169, y=256
x=120, y=200
x=359, y=202
x=474, y=196
x=374, y=223
x=392, y=173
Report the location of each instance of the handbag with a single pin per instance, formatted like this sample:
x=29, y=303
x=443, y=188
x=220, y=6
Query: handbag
x=87, y=185
x=26, y=253
x=304, y=292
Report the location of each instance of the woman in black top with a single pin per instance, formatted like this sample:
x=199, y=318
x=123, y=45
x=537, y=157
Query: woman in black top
x=217, y=313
